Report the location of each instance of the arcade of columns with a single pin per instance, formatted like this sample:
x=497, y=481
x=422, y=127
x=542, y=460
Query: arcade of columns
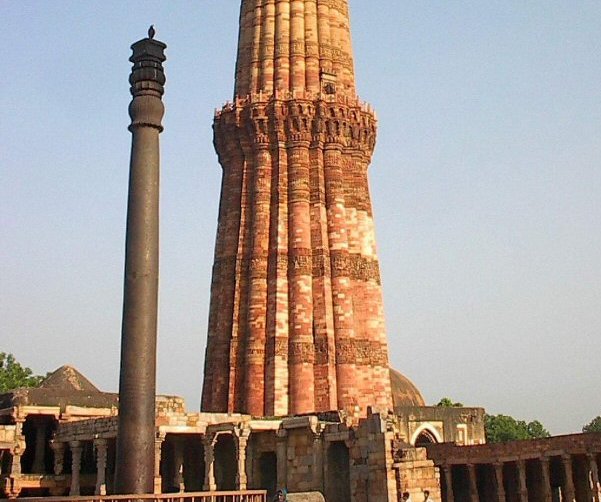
x=296, y=318
x=558, y=468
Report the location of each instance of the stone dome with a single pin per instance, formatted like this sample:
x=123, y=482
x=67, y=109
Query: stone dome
x=404, y=391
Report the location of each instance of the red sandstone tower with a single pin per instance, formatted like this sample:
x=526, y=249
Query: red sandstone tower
x=296, y=321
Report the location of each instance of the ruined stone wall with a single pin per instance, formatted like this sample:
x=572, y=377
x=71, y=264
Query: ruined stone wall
x=416, y=473
x=461, y=425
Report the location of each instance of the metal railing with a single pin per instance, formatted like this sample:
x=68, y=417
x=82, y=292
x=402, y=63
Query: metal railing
x=234, y=496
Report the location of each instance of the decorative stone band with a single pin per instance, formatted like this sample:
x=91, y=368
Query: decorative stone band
x=348, y=123
x=341, y=264
x=351, y=351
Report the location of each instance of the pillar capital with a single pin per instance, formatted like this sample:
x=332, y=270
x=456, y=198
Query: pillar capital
x=75, y=445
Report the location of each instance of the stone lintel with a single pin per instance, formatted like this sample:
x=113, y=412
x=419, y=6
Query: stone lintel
x=264, y=425
x=309, y=421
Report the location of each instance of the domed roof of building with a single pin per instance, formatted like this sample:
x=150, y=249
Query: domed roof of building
x=404, y=391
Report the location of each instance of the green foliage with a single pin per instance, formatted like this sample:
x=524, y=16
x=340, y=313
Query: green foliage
x=447, y=402
x=593, y=426
x=13, y=375
x=502, y=428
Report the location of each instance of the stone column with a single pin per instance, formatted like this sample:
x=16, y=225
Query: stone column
x=158, y=450
x=241, y=442
x=546, y=479
x=137, y=377
x=448, y=481
x=178, y=463
x=569, y=479
x=101, y=450
x=499, y=481
x=471, y=471
x=38, y=466
x=282, y=457
x=15, y=465
x=318, y=484
x=209, y=447
x=521, y=465
x=59, y=456
x=76, y=449
x=594, y=468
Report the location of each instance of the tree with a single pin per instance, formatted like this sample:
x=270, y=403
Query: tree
x=13, y=375
x=593, y=426
x=502, y=428
x=447, y=402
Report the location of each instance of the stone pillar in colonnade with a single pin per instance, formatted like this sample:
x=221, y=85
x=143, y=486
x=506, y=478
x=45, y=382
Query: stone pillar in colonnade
x=569, y=490
x=100, y=445
x=523, y=488
x=547, y=496
x=471, y=473
x=498, y=466
x=208, y=442
x=447, y=470
x=58, y=449
x=158, y=451
x=595, y=484
x=76, y=450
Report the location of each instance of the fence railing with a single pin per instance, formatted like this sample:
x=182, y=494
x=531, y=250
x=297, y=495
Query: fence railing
x=235, y=496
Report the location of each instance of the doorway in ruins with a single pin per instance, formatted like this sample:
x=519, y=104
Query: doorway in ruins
x=225, y=463
x=338, y=479
x=268, y=472
x=182, y=463
x=38, y=458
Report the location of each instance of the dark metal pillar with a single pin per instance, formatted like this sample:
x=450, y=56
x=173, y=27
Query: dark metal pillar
x=137, y=382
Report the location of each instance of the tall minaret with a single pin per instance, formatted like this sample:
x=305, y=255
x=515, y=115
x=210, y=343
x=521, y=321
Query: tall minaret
x=296, y=321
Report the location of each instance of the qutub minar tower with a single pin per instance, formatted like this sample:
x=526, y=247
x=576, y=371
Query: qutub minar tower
x=296, y=319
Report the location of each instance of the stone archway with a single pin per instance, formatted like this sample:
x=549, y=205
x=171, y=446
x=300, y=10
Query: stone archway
x=424, y=435
x=425, y=438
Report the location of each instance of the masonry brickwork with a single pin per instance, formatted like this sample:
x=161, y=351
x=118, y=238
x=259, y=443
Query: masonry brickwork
x=296, y=320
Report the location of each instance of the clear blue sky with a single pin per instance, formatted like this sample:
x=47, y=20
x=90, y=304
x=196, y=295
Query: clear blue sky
x=486, y=186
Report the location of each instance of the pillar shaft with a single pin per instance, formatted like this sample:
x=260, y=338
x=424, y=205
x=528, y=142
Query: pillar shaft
x=499, y=481
x=209, y=450
x=76, y=449
x=570, y=492
x=595, y=485
x=101, y=454
x=137, y=383
x=241, y=442
x=38, y=466
x=471, y=471
x=448, y=480
x=59, y=456
x=546, y=479
x=282, y=458
x=521, y=465
x=158, y=451
x=318, y=484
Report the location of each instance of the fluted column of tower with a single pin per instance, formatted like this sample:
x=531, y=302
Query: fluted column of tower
x=296, y=319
